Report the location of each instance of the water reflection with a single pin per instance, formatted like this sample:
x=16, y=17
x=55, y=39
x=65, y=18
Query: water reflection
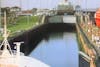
x=59, y=50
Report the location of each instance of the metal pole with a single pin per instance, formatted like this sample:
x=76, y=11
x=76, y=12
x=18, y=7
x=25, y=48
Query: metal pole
x=5, y=31
x=0, y=14
x=20, y=5
x=86, y=5
x=79, y=2
x=27, y=12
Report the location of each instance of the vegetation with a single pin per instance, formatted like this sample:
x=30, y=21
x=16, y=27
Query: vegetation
x=23, y=23
x=17, y=24
x=34, y=10
x=11, y=13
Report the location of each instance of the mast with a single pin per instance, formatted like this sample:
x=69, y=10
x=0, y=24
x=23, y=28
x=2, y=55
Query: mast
x=5, y=35
x=65, y=0
x=5, y=31
x=6, y=47
x=5, y=27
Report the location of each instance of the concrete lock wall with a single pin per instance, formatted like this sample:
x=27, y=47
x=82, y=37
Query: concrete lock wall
x=69, y=19
x=32, y=37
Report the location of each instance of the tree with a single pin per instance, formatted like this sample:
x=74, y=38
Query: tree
x=7, y=9
x=11, y=13
x=14, y=14
x=34, y=10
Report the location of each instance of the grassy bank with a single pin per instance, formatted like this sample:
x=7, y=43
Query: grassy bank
x=22, y=24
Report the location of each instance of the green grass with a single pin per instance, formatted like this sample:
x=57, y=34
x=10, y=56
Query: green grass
x=22, y=24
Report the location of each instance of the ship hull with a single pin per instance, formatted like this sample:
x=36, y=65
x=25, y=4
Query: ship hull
x=98, y=22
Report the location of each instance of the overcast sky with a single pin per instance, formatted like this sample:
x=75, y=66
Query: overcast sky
x=29, y=4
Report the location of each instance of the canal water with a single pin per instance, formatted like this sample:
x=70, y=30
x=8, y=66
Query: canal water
x=58, y=50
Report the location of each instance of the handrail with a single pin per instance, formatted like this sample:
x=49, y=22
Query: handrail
x=84, y=55
x=14, y=52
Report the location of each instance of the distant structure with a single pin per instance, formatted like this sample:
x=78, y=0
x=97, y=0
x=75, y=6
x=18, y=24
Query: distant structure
x=65, y=7
x=63, y=2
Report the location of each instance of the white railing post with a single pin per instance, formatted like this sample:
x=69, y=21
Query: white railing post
x=18, y=50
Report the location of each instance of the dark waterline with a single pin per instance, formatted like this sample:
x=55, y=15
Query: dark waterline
x=58, y=50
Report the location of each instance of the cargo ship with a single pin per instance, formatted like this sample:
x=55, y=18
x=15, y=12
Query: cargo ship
x=15, y=58
x=65, y=7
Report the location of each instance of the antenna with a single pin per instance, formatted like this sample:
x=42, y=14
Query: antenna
x=78, y=2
